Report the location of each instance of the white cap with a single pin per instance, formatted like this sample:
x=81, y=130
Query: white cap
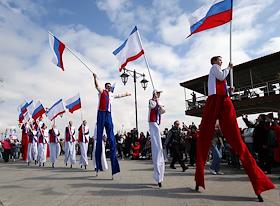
x=156, y=91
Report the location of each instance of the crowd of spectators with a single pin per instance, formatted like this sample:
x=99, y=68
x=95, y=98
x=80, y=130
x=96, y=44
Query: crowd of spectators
x=262, y=138
x=9, y=145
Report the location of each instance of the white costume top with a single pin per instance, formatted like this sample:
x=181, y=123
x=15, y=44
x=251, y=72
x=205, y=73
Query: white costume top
x=216, y=74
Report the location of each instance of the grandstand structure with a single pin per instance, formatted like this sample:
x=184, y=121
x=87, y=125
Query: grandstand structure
x=256, y=83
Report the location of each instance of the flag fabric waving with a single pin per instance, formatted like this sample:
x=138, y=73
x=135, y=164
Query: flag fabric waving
x=38, y=111
x=20, y=117
x=58, y=47
x=130, y=50
x=55, y=110
x=22, y=107
x=212, y=14
x=23, y=116
x=30, y=107
x=73, y=103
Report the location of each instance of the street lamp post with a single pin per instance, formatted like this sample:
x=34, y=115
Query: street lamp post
x=144, y=83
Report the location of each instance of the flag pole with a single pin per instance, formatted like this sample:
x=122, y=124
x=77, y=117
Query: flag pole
x=81, y=115
x=73, y=53
x=148, y=67
x=230, y=49
x=81, y=107
x=79, y=59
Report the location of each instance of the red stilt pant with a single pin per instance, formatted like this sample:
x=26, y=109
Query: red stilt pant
x=221, y=107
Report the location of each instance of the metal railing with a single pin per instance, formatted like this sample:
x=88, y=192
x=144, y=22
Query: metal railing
x=248, y=92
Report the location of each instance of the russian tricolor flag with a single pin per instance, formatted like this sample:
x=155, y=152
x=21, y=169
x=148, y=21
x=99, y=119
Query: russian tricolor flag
x=213, y=14
x=73, y=103
x=38, y=111
x=58, y=48
x=55, y=110
x=130, y=50
x=23, y=107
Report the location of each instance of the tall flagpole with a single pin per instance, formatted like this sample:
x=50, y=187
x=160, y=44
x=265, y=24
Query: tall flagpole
x=78, y=59
x=81, y=115
x=81, y=107
x=148, y=67
x=230, y=47
x=74, y=55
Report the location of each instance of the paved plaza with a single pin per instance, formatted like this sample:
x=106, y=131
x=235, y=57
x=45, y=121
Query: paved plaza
x=22, y=185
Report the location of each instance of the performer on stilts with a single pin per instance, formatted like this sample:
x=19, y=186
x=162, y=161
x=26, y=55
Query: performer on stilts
x=103, y=155
x=219, y=106
x=104, y=119
x=155, y=111
x=83, y=140
x=69, y=145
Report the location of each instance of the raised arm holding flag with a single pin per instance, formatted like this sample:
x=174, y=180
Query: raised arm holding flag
x=104, y=119
x=210, y=15
x=219, y=107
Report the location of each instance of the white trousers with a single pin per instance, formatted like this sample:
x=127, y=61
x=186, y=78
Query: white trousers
x=103, y=156
x=54, y=151
x=83, y=157
x=42, y=152
x=32, y=151
x=70, y=152
x=157, y=152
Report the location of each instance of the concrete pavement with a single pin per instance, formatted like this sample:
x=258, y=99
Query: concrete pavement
x=23, y=185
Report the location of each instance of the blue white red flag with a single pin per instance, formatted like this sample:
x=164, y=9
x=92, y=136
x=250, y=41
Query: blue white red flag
x=130, y=50
x=58, y=47
x=38, y=111
x=30, y=107
x=22, y=107
x=73, y=103
x=55, y=110
x=212, y=14
x=23, y=116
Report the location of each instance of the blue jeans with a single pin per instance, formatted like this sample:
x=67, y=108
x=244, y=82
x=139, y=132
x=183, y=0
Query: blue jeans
x=217, y=155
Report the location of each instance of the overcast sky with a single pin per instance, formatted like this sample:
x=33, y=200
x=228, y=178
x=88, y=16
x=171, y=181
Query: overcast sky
x=94, y=29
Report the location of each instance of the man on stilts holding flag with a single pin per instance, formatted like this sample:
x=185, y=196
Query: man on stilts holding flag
x=156, y=109
x=104, y=119
x=219, y=106
x=130, y=50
